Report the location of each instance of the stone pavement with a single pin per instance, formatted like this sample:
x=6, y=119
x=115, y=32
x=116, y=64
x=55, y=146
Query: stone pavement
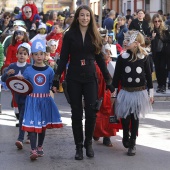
x=153, y=144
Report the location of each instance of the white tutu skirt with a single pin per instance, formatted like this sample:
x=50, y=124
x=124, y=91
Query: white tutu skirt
x=40, y=113
x=136, y=103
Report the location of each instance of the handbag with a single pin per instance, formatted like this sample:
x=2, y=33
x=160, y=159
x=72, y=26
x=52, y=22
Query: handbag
x=159, y=45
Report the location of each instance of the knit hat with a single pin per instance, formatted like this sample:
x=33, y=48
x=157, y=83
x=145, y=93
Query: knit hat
x=25, y=45
x=38, y=45
x=16, y=10
x=19, y=23
x=42, y=25
x=53, y=42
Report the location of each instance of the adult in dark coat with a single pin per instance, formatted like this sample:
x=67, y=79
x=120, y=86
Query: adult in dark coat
x=139, y=23
x=82, y=44
x=31, y=21
x=160, y=47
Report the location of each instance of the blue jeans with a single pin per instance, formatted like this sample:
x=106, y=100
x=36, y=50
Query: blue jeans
x=21, y=108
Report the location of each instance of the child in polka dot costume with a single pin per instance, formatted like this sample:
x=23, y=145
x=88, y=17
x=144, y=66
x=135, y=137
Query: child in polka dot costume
x=133, y=72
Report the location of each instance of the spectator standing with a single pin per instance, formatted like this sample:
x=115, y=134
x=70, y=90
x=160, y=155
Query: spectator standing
x=108, y=22
x=159, y=35
x=139, y=23
x=122, y=29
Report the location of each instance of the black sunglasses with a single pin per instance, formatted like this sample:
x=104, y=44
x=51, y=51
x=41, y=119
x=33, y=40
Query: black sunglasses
x=19, y=33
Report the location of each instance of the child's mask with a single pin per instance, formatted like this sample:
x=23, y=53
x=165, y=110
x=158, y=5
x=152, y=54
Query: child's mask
x=130, y=37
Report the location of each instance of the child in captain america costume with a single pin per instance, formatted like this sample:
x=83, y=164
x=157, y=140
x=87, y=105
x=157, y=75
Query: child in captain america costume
x=41, y=111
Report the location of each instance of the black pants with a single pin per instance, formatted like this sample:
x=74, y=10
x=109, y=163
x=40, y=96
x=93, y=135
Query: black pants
x=160, y=69
x=134, y=126
x=33, y=139
x=76, y=90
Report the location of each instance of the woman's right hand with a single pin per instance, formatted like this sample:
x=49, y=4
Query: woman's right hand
x=153, y=35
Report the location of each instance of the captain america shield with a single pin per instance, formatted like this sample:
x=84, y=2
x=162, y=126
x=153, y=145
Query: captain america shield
x=19, y=86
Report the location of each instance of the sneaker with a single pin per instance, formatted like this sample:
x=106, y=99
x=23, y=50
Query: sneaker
x=19, y=144
x=40, y=151
x=33, y=155
x=131, y=151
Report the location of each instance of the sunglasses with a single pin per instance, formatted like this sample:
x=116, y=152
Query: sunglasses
x=6, y=18
x=157, y=21
x=71, y=16
x=19, y=33
x=28, y=12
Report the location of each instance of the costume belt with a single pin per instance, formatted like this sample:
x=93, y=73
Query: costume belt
x=133, y=89
x=41, y=95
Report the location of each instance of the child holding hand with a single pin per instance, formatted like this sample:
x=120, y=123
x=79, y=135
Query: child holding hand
x=133, y=72
x=41, y=111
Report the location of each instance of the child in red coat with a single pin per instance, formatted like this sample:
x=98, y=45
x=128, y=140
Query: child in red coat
x=56, y=34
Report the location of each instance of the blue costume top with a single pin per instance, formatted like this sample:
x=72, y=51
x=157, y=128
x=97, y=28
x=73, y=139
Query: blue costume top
x=41, y=111
x=20, y=99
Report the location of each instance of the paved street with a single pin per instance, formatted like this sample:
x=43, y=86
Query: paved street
x=153, y=144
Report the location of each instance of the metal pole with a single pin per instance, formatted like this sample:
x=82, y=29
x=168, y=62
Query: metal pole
x=100, y=12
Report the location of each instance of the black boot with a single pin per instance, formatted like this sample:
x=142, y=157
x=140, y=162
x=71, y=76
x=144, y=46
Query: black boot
x=132, y=148
x=125, y=125
x=88, y=147
x=79, y=152
x=89, y=129
x=78, y=138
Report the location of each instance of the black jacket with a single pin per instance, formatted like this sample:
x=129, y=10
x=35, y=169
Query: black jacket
x=135, y=25
x=82, y=57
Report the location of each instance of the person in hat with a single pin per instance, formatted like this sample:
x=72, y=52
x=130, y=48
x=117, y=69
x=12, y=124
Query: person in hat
x=33, y=6
x=31, y=20
x=52, y=63
x=39, y=115
x=102, y=128
x=53, y=44
x=18, y=38
x=15, y=13
x=56, y=34
x=22, y=54
x=41, y=33
x=8, y=39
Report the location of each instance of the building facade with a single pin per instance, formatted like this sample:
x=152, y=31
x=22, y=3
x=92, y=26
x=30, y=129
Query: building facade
x=150, y=6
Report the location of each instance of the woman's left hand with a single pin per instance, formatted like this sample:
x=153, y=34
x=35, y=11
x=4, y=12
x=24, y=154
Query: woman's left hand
x=151, y=100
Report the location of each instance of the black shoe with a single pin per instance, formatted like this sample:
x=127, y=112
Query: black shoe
x=79, y=153
x=17, y=125
x=125, y=142
x=132, y=148
x=107, y=141
x=159, y=89
x=89, y=149
x=163, y=89
x=96, y=138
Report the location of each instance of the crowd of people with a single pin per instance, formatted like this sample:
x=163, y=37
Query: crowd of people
x=49, y=49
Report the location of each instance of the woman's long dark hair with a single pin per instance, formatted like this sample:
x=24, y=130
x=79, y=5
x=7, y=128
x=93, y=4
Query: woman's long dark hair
x=92, y=28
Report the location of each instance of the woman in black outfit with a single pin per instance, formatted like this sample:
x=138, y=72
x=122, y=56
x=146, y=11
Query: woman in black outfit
x=82, y=45
x=160, y=50
x=139, y=23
